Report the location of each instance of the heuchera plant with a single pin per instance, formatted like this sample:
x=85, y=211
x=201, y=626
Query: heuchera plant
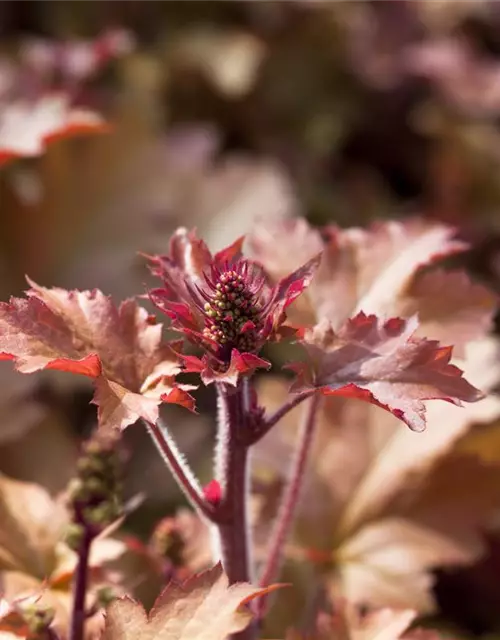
x=229, y=307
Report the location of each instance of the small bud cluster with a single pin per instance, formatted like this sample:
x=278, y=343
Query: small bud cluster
x=37, y=618
x=231, y=307
x=94, y=495
x=168, y=542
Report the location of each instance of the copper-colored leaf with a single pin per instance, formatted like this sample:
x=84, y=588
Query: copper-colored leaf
x=383, y=505
x=205, y=607
x=30, y=526
x=84, y=332
x=450, y=307
x=362, y=269
x=381, y=362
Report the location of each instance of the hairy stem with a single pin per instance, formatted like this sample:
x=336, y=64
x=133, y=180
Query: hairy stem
x=232, y=469
x=179, y=468
x=233, y=474
x=80, y=583
x=289, y=501
x=270, y=421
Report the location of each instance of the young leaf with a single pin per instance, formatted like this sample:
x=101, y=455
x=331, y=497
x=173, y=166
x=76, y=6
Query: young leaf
x=84, y=332
x=381, y=362
x=204, y=607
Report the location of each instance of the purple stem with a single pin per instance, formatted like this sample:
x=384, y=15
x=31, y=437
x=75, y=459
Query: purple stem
x=289, y=501
x=269, y=422
x=233, y=474
x=233, y=477
x=180, y=470
x=80, y=581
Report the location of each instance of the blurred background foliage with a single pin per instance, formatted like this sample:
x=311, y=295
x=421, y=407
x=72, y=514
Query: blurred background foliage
x=223, y=113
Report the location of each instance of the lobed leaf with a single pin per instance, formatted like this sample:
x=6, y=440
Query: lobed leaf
x=381, y=362
x=84, y=332
x=378, y=271
x=384, y=506
x=204, y=607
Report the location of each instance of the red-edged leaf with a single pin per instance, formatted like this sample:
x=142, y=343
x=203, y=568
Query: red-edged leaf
x=27, y=128
x=192, y=364
x=381, y=362
x=241, y=364
x=188, y=254
x=119, y=407
x=84, y=332
x=290, y=287
x=204, y=607
x=231, y=253
x=180, y=396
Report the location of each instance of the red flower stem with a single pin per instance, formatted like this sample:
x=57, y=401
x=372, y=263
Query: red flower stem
x=269, y=422
x=232, y=469
x=180, y=469
x=233, y=474
x=289, y=501
x=80, y=582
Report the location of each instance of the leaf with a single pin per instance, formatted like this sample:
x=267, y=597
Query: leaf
x=389, y=560
x=34, y=562
x=450, y=307
x=203, y=607
x=31, y=523
x=381, y=362
x=84, y=332
x=366, y=270
x=347, y=623
x=300, y=242
x=27, y=128
x=387, y=257
x=383, y=506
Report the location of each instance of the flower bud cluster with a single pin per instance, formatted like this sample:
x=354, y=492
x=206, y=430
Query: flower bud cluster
x=232, y=314
x=94, y=495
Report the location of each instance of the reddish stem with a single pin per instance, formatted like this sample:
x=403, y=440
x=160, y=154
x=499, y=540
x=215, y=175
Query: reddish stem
x=233, y=474
x=80, y=583
x=269, y=422
x=233, y=477
x=180, y=469
x=289, y=501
